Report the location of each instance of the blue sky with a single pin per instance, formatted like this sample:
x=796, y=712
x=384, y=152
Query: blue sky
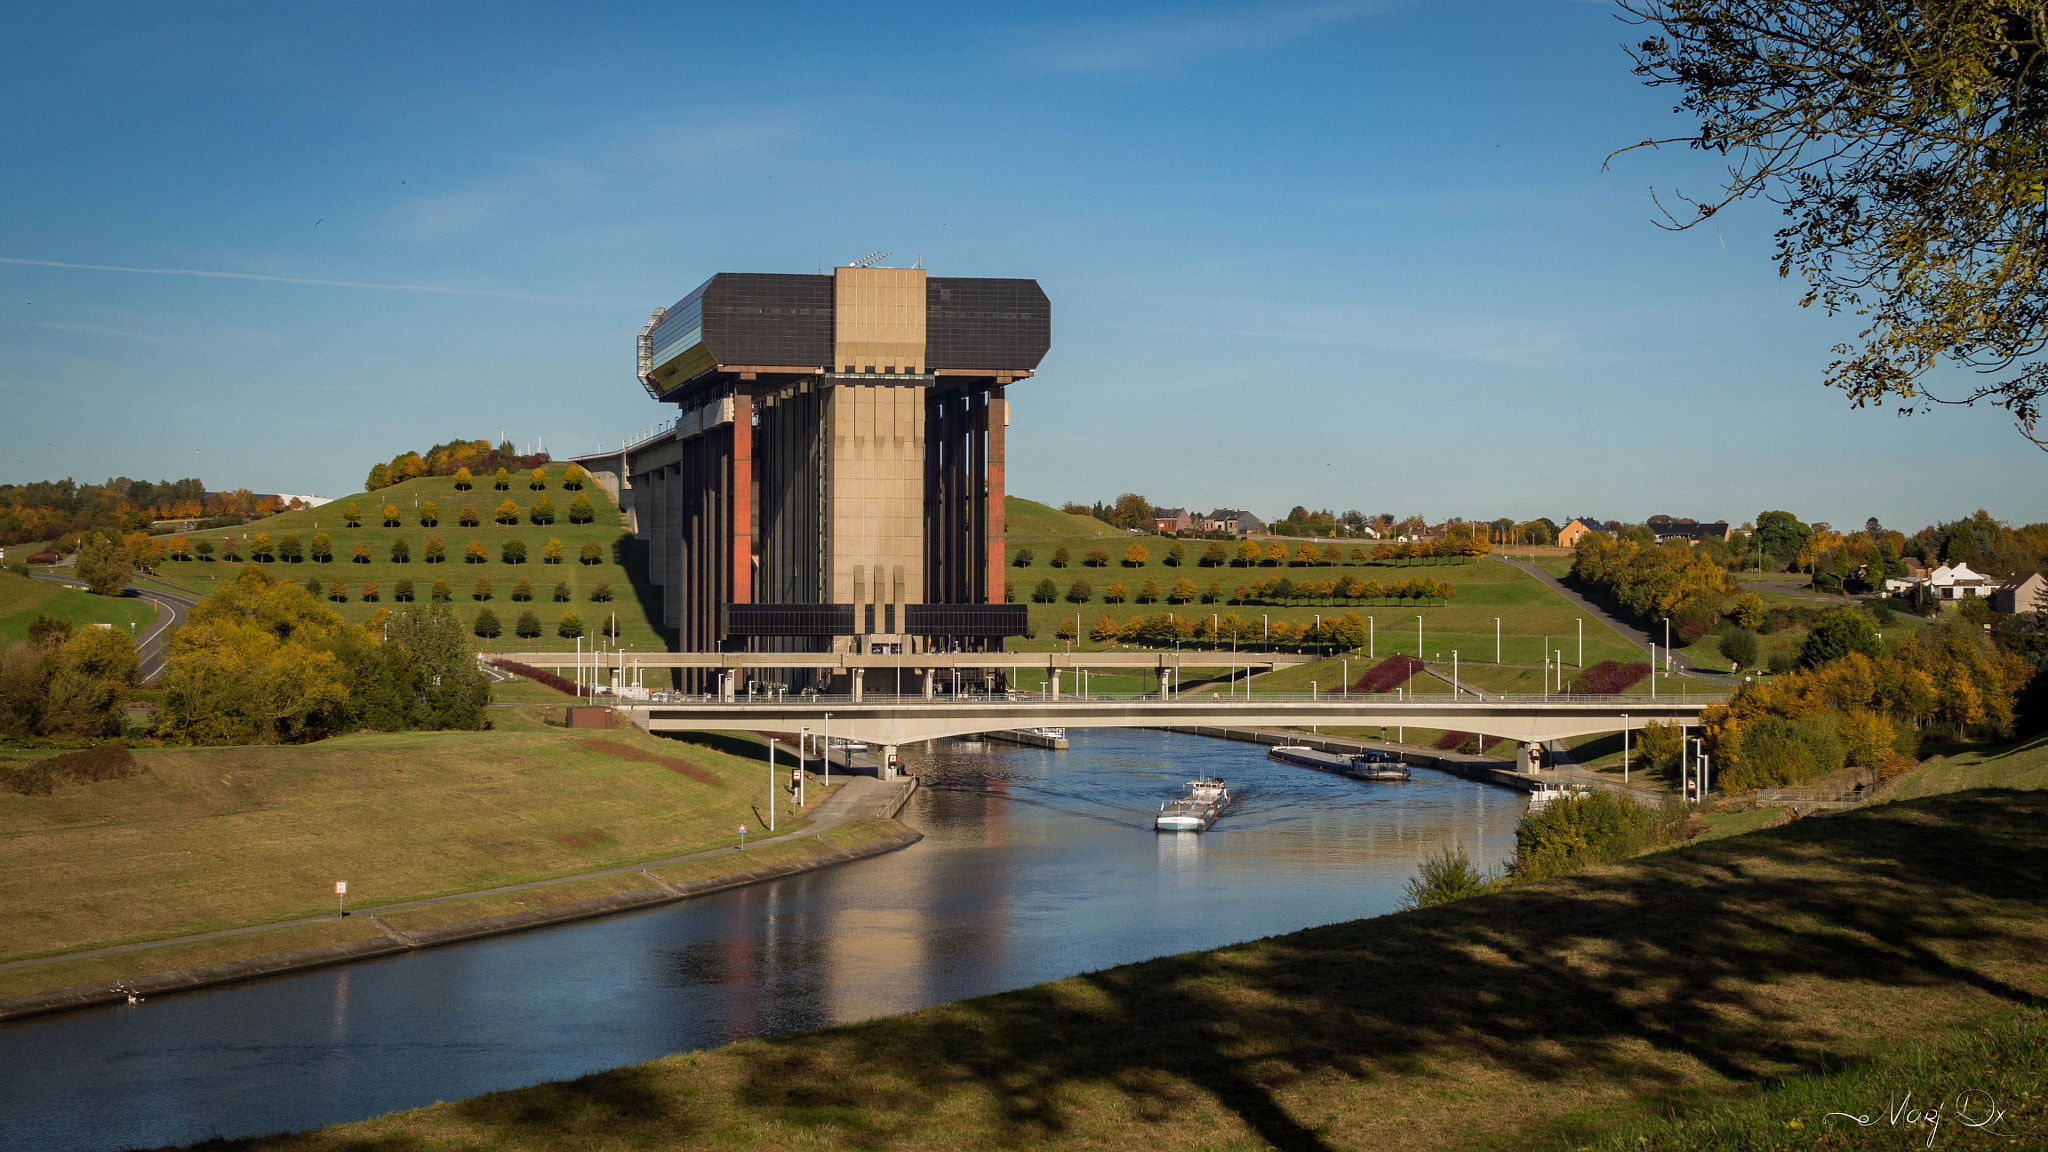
x=1350, y=254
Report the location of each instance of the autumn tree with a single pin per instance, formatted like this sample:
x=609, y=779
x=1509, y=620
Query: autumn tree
x=231, y=550
x=178, y=549
x=370, y=591
x=441, y=593
x=551, y=552
x=1096, y=557
x=475, y=553
x=508, y=512
x=1177, y=555
x=513, y=552
x=1116, y=593
x=570, y=626
x=391, y=516
x=602, y=592
x=290, y=550
x=1104, y=630
x=1080, y=592
x=502, y=479
x=323, y=547
x=401, y=552
x=562, y=593
x=435, y=551
x=1307, y=555
x=1183, y=591
x=104, y=563
x=469, y=517
x=1276, y=553
x=487, y=625
x=338, y=592
x=1906, y=145
x=537, y=479
x=352, y=515
x=1131, y=511
x=1135, y=556
x=402, y=591
x=592, y=553
x=1248, y=554
x=581, y=510
x=1061, y=557
x=429, y=515
x=261, y=549
x=574, y=478
x=360, y=554
x=522, y=589
x=543, y=511
x=463, y=480
x=481, y=590
x=1045, y=592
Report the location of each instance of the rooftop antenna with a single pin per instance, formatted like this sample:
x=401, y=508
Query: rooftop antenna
x=871, y=259
x=920, y=261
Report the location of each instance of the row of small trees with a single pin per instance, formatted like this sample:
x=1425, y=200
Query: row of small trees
x=1274, y=590
x=442, y=592
x=428, y=514
x=1162, y=628
x=528, y=625
x=1275, y=554
x=289, y=550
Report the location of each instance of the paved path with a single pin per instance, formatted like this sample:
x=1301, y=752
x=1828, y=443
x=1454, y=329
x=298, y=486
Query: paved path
x=1629, y=632
x=860, y=798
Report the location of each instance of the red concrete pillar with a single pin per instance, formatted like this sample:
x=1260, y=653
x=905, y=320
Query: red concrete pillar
x=742, y=498
x=998, y=416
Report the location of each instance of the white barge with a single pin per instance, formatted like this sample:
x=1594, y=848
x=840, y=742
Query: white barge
x=1195, y=809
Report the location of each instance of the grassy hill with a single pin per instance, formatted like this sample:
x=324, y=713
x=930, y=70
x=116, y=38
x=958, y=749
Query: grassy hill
x=23, y=599
x=637, y=604
x=209, y=838
x=1724, y=995
x=1029, y=522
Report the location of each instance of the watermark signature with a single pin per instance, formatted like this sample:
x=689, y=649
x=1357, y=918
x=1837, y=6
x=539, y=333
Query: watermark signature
x=1974, y=1108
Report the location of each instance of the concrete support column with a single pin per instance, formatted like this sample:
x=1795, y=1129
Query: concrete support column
x=1055, y=683
x=886, y=769
x=857, y=677
x=927, y=683
x=727, y=680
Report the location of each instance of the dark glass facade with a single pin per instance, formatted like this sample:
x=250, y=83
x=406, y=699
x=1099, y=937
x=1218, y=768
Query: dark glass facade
x=985, y=323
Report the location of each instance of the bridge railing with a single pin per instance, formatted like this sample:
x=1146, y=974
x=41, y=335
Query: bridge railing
x=1035, y=700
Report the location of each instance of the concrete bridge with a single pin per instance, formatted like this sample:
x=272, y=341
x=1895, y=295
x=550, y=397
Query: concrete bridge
x=888, y=723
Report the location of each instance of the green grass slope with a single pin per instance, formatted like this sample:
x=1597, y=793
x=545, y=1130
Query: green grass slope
x=1025, y=522
x=1546, y=1016
x=638, y=604
x=23, y=599
x=208, y=838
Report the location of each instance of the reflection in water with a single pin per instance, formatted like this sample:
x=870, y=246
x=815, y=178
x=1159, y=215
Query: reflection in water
x=1035, y=865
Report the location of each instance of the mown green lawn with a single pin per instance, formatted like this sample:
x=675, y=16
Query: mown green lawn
x=23, y=599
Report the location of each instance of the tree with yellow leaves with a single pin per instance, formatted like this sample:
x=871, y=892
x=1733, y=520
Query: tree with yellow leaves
x=1135, y=556
x=551, y=552
x=508, y=512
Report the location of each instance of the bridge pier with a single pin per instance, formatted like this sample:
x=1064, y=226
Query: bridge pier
x=857, y=678
x=928, y=683
x=1055, y=683
x=885, y=767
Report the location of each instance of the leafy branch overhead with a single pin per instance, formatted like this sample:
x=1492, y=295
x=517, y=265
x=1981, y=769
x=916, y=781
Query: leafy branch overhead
x=1907, y=143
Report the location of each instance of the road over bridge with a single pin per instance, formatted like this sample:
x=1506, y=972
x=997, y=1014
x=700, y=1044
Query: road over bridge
x=895, y=721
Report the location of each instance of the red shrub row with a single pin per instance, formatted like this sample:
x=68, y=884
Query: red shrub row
x=1388, y=674
x=538, y=676
x=1609, y=678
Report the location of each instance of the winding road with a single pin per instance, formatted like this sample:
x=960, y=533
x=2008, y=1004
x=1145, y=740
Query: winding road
x=151, y=644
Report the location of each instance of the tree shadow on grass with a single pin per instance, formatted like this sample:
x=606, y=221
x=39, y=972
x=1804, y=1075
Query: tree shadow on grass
x=1674, y=977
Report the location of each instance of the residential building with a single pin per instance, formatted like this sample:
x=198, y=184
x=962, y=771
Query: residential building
x=1570, y=535
x=1166, y=520
x=1690, y=531
x=1949, y=582
x=2025, y=592
x=1235, y=521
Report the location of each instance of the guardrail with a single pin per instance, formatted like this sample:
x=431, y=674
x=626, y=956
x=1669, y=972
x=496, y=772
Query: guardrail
x=876, y=699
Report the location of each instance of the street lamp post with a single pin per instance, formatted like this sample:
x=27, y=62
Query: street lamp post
x=1624, y=747
x=1418, y=637
x=1582, y=642
x=828, y=749
x=1371, y=642
x=1454, y=674
x=1496, y=639
x=1667, y=644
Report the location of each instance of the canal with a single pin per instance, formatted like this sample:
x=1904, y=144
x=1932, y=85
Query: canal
x=1035, y=865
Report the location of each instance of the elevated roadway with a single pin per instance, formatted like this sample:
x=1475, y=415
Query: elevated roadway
x=892, y=722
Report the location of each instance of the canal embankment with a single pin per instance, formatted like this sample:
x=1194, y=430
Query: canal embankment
x=858, y=822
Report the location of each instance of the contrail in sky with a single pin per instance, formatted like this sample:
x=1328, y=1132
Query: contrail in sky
x=274, y=279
